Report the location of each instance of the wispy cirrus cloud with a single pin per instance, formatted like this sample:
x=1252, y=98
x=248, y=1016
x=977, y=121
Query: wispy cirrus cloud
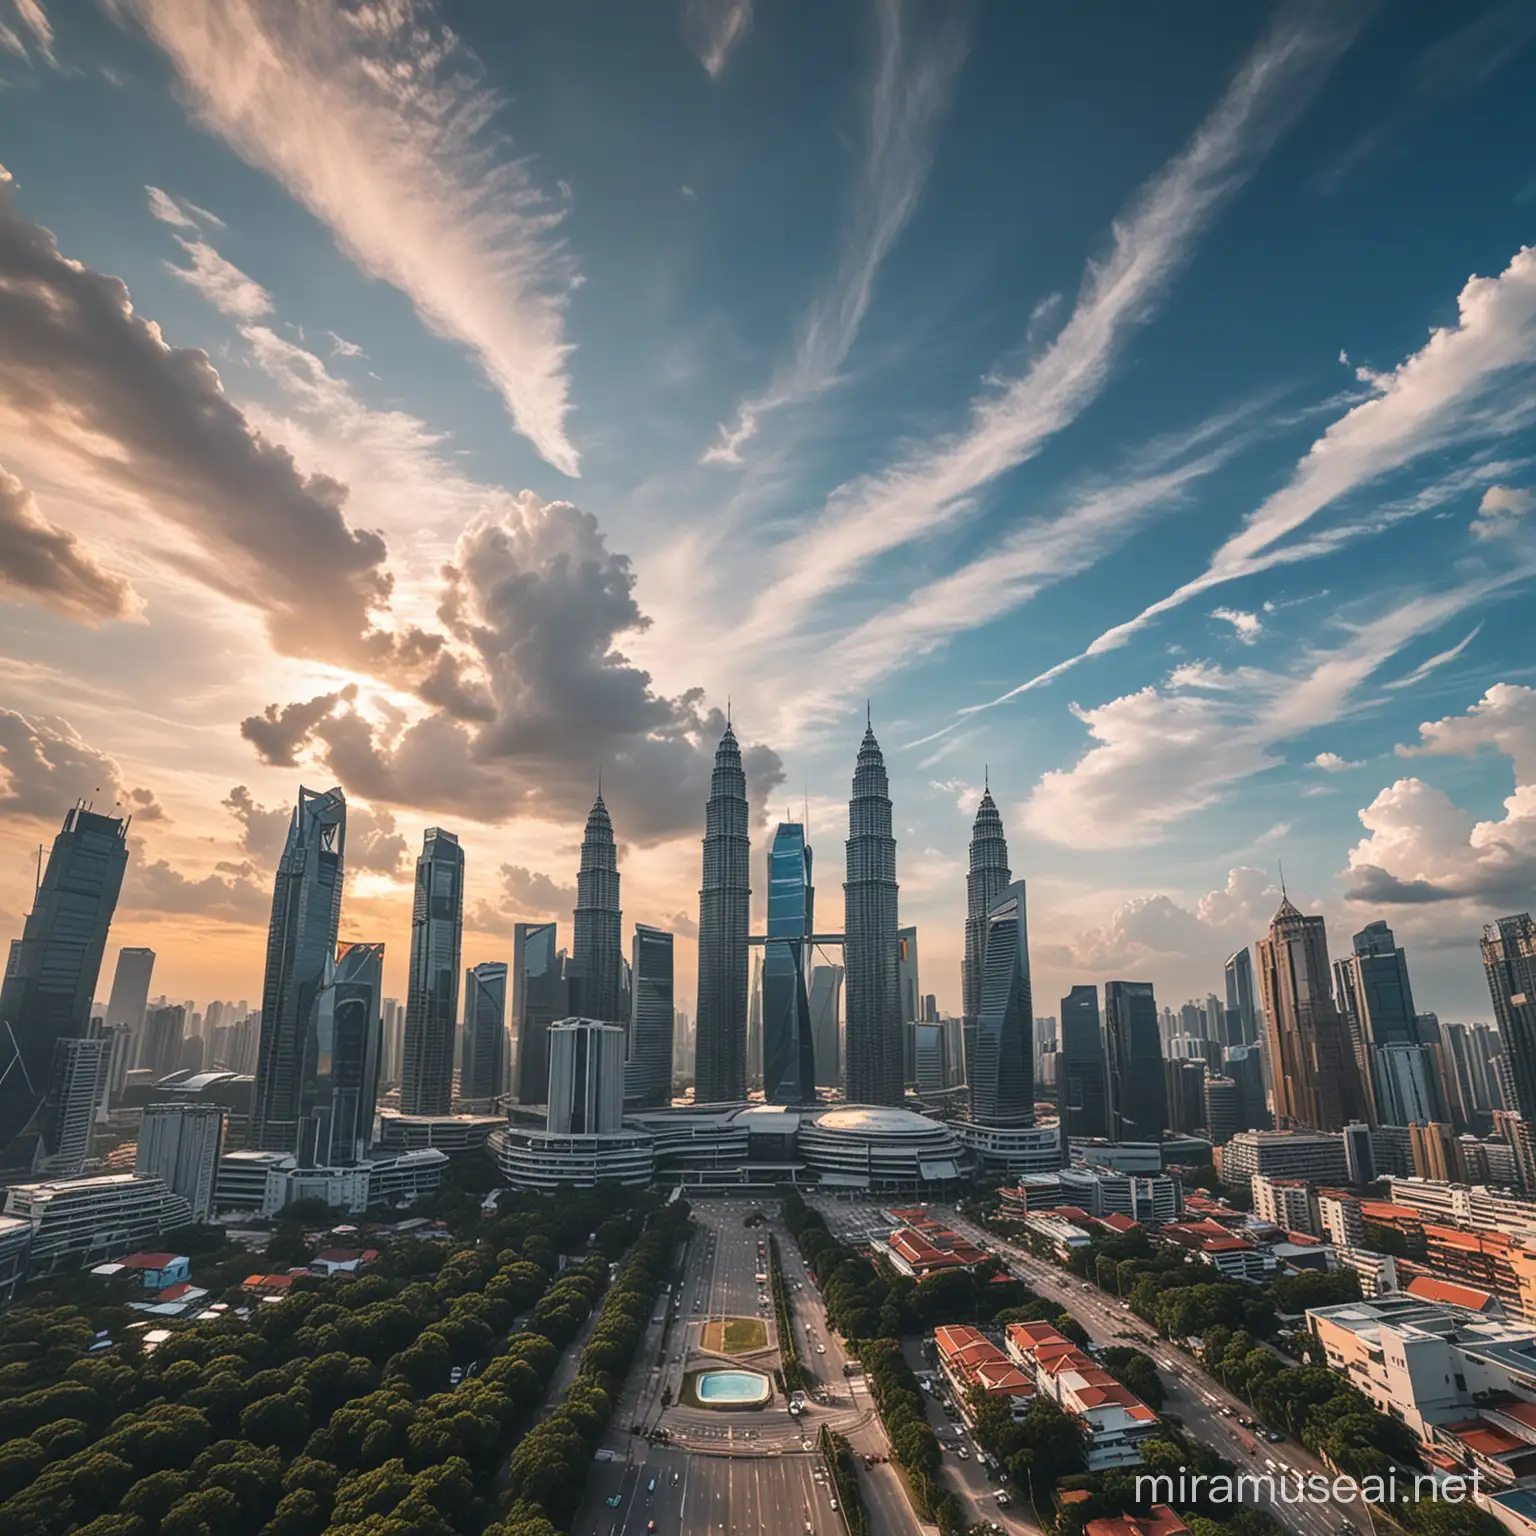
x=713, y=28
x=915, y=71
x=413, y=182
x=35, y=36
x=939, y=482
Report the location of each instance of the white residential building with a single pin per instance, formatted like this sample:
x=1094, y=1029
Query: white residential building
x=1287, y=1203
x=93, y=1219
x=182, y=1143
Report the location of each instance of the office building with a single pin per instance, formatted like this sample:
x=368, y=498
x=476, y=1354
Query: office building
x=481, y=1079
x=432, y=991
x=586, y=1078
x=339, y=1090
x=1083, y=1090
x=79, y=1222
x=1509, y=959
x=52, y=970
x=725, y=912
x=159, y=1043
x=1313, y=1068
x=1223, y=1109
x=826, y=1024
x=130, y=995
x=911, y=999
x=789, y=1056
x=1242, y=998
x=597, y=958
x=1281, y=1154
x=986, y=879
x=1244, y=1064
x=1360, y=1160
x=81, y=1072
x=648, y=1071
x=301, y=951
x=1002, y=1086
x=1184, y=1082
x=1138, y=1095
x=1405, y=1087
x=181, y=1145
x=393, y=1056
x=873, y=1071
x=932, y=1068
x=755, y=1024
x=539, y=995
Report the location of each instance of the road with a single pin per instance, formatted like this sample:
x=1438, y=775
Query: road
x=749, y=1471
x=1196, y=1398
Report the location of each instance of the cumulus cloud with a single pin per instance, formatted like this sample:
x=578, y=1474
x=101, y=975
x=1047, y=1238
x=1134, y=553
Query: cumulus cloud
x=1500, y=512
x=537, y=605
x=43, y=563
x=1246, y=626
x=143, y=806
x=681, y=923
x=263, y=829
x=46, y=765
x=1331, y=762
x=713, y=28
x=156, y=886
x=414, y=183
x=526, y=895
x=1422, y=847
x=373, y=842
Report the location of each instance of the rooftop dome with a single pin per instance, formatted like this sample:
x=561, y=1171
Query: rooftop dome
x=867, y=1119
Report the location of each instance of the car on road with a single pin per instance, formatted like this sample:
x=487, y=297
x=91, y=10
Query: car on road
x=821, y=1349
x=614, y=1501
x=962, y=1453
x=1004, y=1500
x=1273, y=1436
x=1228, y=1413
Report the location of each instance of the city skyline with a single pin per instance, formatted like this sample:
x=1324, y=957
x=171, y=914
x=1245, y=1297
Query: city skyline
x=1198, y=545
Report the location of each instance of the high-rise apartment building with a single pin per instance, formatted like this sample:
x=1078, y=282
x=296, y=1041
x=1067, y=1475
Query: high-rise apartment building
x=1082, y=1086
x=432, y=992
x=130, y=993
x=648, y=1071
x=1313, y=1069
x=1509, y=959
x=81, y=1071
x=725, y=913
x=1002, y=1086
x=394, y=1043
x=339, y=1091
x=485, y=1032
x=1223, y=1110
x=932, y=1069
x=51, y=973
x=597, y=945
x=1242, y=997
x=873, y=1071
x=755, y=1024
x=181, y=1144
x=911, y=1000
x=160, y=1039
x=789, y=1053
x=586, y=1078
x=1138, y=1094
x=826, y=1023
x=301, y=952
x=986, y=879
x=539, y=995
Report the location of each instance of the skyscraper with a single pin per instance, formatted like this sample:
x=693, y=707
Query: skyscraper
x=341, y=1061
x=539, y=998
x=987, y=879
x=874, y=1067
x=301, y=951
x=826, y=1024
x=485, y=1032
x=586, y=1078
x=755, y=1024
x=789, y=1056
x=648, y=1071
x=911, y=1000
x=1312, y=1063
x=597, y=941
x=160, y=1037
x=130, y=991
x=182, y=1143
x=932, y=1069
x=1223, y=1110
x=1138, y=1094
x=432, y=990
x=1083, y=1089
x=81, y=1068
x=725, y=912
x=1241, y=997
x=1509, y=959
x=1003, y=1086
x=51, y=974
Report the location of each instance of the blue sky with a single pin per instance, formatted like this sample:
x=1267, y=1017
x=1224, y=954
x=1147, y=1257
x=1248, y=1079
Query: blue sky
x=1138, y=409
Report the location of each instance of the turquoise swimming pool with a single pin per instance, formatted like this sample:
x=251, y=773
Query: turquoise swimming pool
x=732, y=1389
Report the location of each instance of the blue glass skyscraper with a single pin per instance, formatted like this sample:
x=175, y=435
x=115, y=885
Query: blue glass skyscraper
x=789, y=1054
x=432, y=998
x=341, y=1061
x=1003, y=1084
x=481, y=1078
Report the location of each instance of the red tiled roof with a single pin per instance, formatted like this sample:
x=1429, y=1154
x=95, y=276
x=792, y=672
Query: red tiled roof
x=1483, y=1438
x=1118, y=1222
x=268, y=1282
x=175, y=1292
x=1384, y=1211
x=1072, y=1213
x=1521, y=1413
x=338, y=1256
x=1428, y=1288
x=149, y=1260
x=1160, y=1522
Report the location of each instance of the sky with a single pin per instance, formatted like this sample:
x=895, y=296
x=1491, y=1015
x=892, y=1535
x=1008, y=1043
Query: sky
x=458, y=402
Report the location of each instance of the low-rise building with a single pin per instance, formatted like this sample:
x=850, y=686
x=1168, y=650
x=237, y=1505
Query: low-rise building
x=1288, y=1203
x=1058, y=1233
x=1377, y=1272
x=1114, y=1420
x=1231, y=1255
x=342, y=1261
x=929, y=1249
x=81, y=1221
x=1338, y=1215
x=970, y=1361
x=265, y=1182
x=154, y=1271
x=1314, y=1155
x=1158, y=1521
x=15, y=1239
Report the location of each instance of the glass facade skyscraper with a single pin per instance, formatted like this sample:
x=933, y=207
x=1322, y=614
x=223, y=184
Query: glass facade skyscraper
x=1509, y=959
x=538, y=999
x=826, y=1024
x=1081, y=1077
x=648, y=1071
x=789, y=1053
x=1241, y=998
x=1003, y=1085
x=873, y=1074
x=586, y=1078
x=51, y=974
x=341, y=1061
x=1138, y=1092
x=725, y=910
x=432, y=994
x=985, y=881
x=301, y=954
x=485, y=1032
x=597, y=947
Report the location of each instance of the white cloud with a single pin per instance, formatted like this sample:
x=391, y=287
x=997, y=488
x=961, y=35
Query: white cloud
x=34, y=21
x=1331, y=762
x=914, y=79
x=966, y=796
x=713, y=28
x=1247, y=626
x=221, y=282
x=1435, y=662
x=1010, y=423
x=165, y=208
x=412, y=181
x=1500, y=511
x=341, y=347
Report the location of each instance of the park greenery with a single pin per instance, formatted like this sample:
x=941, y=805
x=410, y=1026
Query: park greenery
x=334, y=1410
x=838, y=1457
x=790, y=1368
